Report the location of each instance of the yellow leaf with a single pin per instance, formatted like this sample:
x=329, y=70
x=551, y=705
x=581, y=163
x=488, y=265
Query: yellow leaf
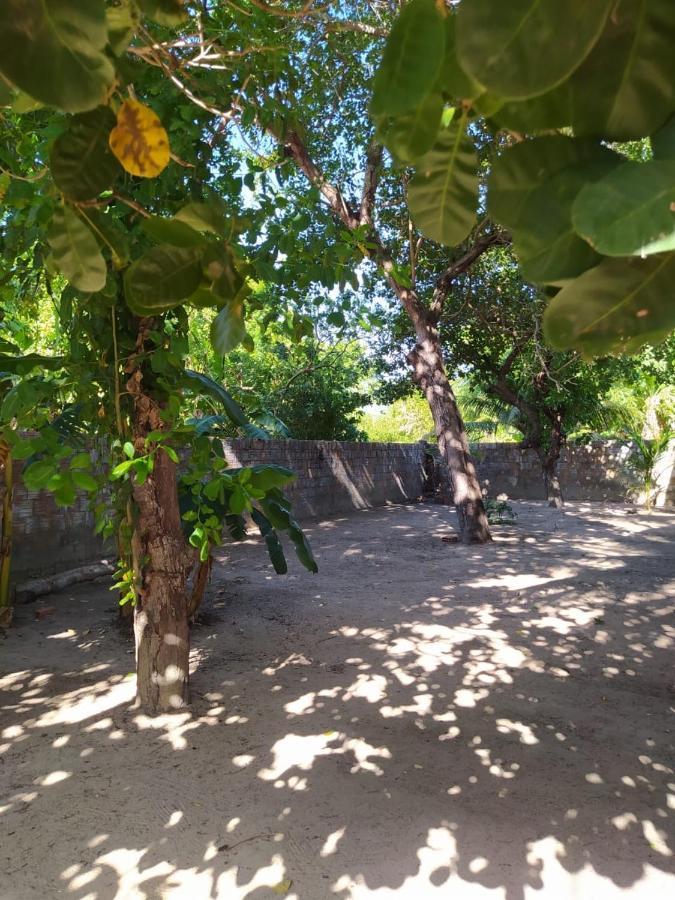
x=139, y=140
x=283, y=887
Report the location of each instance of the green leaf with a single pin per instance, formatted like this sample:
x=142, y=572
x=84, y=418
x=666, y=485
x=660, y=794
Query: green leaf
x=412, y=60
x=220, y=269
x=170, y=452
x=166, y=12
x=109, y=233
x=129, y=450
x=84, y=480
x=76, y=252
x=631, y=211
x=614, y=308
x=228, y=328
x=202, y=384
x=204, y=298
x=443, y=195
x=663, y=142
x=122, y=22
x=268, y=476
x=453, y=80
x=206, y=217
x=172, y=231
x=277, y=510
x=81, y=162
x=410, y=136
x=522, y=48
x=161, y=279
x=53, y=50
x=274, y=548
x=626, y=87
x=122, y=468
x=81, y=461
x=545, y=112
x=38, y=474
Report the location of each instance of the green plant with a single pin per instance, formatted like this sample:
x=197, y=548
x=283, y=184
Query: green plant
x=646, y=454
x=500, y=512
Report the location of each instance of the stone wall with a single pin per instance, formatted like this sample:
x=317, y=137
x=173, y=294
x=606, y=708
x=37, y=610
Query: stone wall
x=337, y=477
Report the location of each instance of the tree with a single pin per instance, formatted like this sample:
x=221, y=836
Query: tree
x=89, y=202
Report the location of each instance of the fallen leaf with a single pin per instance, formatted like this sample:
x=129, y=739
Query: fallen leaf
x=45, y=611
x=283, y=887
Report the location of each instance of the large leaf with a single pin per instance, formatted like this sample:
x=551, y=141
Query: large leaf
x=53, y=50
x=208, y=217
x=531, y=191
x=412, y=60
x=278, y=510
x=122, y=22
x=228, y=329
x=545, y=112
x=521, y=48
x=139, y=140
x=523, y=168
x=202, y=384
x=172, y=231
x=166, y=12
x=453, y=80
x=81, y=162
x=75, y=251
x=663, y=142
x=220, y=269
x=443, y=195
x=614, y=308
x=161, y=279
x=410, y=136
x=274, y=548
x=110, y=234
x=631, y=211
x=626, y=87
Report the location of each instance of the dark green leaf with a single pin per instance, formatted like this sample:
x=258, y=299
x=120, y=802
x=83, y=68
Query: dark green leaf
x=53, y=50
x=663, y=142
x=410, y=136
x=412, y=60
x=81, y=161
x=122, y=22
x=161, y=279
x=631, y=211
x=38, y=474
x=274, y=548
x=443, y=195
x=453, y=80
x=172, y=231
x=202, y=384
x=626, y=87
x=166, y=12
x=84, y=480
x=76, y=252
x=614, y=308
x=228, y=328
x=522, y=48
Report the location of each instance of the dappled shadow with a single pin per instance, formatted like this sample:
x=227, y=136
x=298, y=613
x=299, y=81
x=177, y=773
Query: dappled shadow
x=420, y=720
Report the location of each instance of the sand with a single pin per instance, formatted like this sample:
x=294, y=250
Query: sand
x=419, y=720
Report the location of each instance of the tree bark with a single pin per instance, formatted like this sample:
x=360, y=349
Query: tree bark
x=161, y=613
x=549, y=463
x=429, y=373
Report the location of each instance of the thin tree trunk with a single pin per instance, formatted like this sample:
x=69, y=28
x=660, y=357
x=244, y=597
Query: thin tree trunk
x=429, y=373
x=552, y=484
x=161, y=613
x=6, y=544
x=549, y=462
x=201, y=580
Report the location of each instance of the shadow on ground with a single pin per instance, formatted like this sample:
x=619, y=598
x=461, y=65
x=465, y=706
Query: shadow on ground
x=419, y=720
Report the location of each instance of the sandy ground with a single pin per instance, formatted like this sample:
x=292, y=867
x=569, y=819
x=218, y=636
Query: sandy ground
x=420, y=720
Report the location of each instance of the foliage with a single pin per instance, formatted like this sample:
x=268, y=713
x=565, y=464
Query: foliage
x=597, y=232
x=500, y=512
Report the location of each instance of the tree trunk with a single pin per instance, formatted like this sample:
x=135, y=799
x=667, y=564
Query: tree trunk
x=161, y=613
x=549, y=462
x=6, y=542
x=429, y=373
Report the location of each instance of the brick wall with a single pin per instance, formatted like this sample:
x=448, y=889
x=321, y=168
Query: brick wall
x=337, y=477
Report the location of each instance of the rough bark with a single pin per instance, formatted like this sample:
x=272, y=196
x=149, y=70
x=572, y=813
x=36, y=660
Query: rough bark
x=428, y=371
x=161, y=613
x=201, y=580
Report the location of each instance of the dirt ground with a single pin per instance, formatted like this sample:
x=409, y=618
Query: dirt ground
x=419, y=720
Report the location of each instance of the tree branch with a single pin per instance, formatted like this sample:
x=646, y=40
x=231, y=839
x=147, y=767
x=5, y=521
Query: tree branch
x=332, y=194
x=371, y=178
x=445, y=280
